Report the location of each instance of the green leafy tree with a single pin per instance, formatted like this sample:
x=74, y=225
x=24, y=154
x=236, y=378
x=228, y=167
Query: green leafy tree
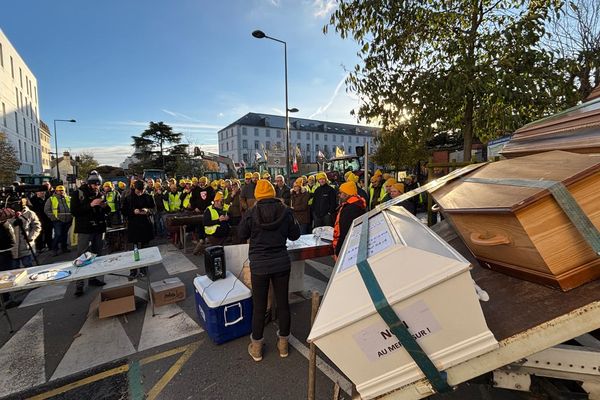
x=153, y=145
x=85, y=165
x=468, y=67
x=9, y=163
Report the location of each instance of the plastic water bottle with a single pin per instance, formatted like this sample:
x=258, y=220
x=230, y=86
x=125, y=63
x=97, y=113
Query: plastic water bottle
x=136, y=253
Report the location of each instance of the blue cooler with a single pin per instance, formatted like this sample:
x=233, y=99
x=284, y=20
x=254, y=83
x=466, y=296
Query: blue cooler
x=224, y=307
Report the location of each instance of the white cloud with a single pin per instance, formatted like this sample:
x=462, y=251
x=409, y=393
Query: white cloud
x=274, y=2
x=323, y=7
x=220, y=115
x=177, y=125
x=112, y=155
x=178, y=115
x=278, y=111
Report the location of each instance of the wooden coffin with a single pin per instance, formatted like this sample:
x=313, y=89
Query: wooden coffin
x=522, y=230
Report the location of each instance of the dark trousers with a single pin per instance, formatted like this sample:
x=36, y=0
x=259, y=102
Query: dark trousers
x=92, y=242
x=44, y=239
x=325, y=220
x=61, y=233
x=260, y=294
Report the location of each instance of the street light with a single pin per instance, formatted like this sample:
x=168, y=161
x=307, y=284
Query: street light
x=261, y=35
x=56, y=146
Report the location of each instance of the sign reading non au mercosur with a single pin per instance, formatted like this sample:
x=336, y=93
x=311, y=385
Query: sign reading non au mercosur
x=377, y=340
x=276, y=159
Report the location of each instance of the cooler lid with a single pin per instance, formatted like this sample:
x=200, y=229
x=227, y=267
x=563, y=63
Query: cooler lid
x=559, y=166
x=222, y=291
x=406, y=257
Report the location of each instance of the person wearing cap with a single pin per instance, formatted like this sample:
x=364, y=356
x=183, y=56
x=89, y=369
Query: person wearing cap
x=89, y=209
x=266, y=176
x=387, y=186
x=216, y=222
x=351, y=207
x=361, y=192
x=139, y=208
x=324, y=202
x=113, y=199
x=310, y=188
x=235, y=210
x=268, y=225
x=247, y=199
x=201, y=197
x=121, y=188
x=299, y=202
x=376, y=192
x=282, y=191
x=58, y=210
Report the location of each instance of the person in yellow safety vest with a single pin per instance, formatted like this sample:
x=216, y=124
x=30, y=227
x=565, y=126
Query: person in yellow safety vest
x=387, y=186
x=113, y=199
x=215, y=185
x=186, y=194
x=58, y=209
x=160, y=199
x=310, y=188
x=376, y=192
x=225, y=187
x=216, y=221
x=173, y=199
x=181, y=184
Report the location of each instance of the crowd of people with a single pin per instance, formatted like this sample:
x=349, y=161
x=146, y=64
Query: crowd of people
x=261, y=211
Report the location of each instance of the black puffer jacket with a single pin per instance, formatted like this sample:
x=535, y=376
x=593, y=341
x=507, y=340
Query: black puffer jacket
x=88, y=219
x=268, y=225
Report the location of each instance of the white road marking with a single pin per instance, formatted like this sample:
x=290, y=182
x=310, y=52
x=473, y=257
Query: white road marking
x=101, y=341
x=331, y=373
x=22, y=361
x=323, y=269
x=169, y=324
x=314, y=284
x=44, y=294
x=174, y=261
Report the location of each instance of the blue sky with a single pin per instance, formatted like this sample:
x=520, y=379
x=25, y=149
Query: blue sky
x=115, y=65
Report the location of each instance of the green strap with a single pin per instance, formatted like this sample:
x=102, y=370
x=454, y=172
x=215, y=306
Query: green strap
x=565, y=200
x=437, y=378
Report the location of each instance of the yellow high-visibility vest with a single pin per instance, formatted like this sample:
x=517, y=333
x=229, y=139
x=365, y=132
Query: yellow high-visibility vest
x=110, y=199
x=214, y=216
x=186, y=201
x=54, y=201
x=382, y=194
x=311, y=190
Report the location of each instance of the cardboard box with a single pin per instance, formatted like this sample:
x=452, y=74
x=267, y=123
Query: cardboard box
x=116, y=301
x=167, y=291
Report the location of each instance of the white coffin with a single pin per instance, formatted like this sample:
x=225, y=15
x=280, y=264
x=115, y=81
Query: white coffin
x=429, y=286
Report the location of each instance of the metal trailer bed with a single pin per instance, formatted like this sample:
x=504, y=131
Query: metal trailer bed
x=530, y=321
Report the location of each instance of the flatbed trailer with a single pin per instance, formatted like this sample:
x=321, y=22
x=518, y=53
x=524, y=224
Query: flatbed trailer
x=531, y=322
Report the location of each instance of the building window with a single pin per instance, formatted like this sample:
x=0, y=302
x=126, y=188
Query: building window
x=316, y=136
x=24, y=127
x=342, y=139
x=1, y=56
x=20, y=153
x=326, y=149
x=308, y=147
x=21, y=80
x=356, y=139
x=278, y=134
x=268, y=145
x=307, y=135
x=316, y=148
x=227, y=146
x=256, y=145
x=324, y=136
x=334, y=137
x=245, y=157
x=298, y=135
x=267, y=132
x=244, y=144
x=16, y=122
x=4, y=114
x=17, y=97
x=12, y=68
x=244, y=131
x=349, y=149
x=255, y=131
x=32, y=155
x=237, y=130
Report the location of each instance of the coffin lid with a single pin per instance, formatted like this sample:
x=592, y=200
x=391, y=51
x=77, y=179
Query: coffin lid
x=413, y=260
x=562, y=166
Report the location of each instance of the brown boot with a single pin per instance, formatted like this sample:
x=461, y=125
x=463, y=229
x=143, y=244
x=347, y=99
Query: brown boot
x=282, y=345
x=255, y=349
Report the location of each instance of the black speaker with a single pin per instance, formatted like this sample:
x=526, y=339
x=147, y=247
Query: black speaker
x=214, y=262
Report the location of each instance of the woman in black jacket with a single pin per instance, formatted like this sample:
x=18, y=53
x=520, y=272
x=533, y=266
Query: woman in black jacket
x=268, y=225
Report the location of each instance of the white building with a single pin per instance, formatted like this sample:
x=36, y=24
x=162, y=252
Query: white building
x=67, y=165
x=19, y=110
x=253, y=133
x=45, y=145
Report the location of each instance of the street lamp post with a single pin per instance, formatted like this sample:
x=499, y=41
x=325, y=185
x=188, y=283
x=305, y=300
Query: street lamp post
x=56, y=146
x=261, y=35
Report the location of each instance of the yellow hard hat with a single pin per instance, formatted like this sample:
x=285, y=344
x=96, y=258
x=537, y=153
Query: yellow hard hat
x=157, y=185
x=256, y=175
x=266, y=175
x=321, y=175
x=203, y=179
x=311, y=178
x=60, y=187
x=248, y=175
x=172, y=181
x=218, y=196
x=194, y=179
x=108, y=184
x=377, y=172
x=298, y=182
x=390, y=182
x=182, y=181
x=121, y=185
x=352, y=178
